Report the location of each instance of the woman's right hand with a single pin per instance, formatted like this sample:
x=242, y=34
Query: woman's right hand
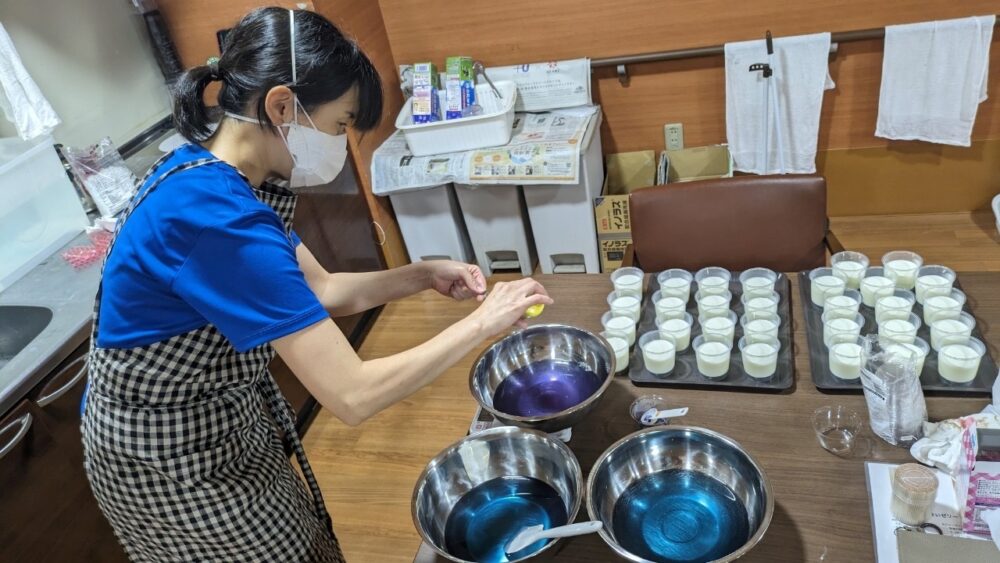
x=506, y=303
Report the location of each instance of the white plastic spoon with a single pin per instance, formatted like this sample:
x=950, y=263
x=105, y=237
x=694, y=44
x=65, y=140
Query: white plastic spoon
x=532, y=534
x=652, y=416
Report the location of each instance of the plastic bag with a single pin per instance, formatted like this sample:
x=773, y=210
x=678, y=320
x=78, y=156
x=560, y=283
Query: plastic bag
x=896, y=407
x=102, y=172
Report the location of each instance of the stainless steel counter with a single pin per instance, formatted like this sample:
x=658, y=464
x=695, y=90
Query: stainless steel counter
x=70, y=295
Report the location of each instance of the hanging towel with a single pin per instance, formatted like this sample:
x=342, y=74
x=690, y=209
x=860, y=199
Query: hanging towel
x=22, y=102
x=933, y=79
x=787, y=143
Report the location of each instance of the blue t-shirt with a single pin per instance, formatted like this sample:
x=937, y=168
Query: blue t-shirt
x=202, y=249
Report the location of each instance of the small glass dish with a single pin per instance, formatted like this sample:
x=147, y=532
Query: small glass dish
x=643, y=404
x=836, y=428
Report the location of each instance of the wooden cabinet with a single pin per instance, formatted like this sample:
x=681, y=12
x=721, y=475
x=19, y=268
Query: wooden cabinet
x=58, y=398
x=47, y=510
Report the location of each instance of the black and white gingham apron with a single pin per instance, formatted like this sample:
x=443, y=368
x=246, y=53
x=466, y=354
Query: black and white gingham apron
x=181, y=454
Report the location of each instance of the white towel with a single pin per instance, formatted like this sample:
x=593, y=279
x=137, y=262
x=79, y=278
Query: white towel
x=933, y=79
x=800, y=76
x=22, y=102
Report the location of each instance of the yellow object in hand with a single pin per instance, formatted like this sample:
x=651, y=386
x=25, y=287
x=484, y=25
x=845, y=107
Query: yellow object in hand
x=534, y=311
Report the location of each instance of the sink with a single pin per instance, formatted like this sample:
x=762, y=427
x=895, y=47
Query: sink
x=19, y=325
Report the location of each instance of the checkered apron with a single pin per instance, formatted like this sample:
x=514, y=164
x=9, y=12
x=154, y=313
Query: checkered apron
x=181, y=450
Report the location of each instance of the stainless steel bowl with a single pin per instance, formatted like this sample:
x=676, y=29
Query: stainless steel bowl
x=498, y=452
x=535, y=343
x=662, y=448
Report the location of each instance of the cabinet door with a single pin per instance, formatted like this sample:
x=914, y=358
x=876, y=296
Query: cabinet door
x=47, y=511
x=59, y=395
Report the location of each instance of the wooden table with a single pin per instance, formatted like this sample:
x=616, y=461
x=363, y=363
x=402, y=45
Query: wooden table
x=821, y=500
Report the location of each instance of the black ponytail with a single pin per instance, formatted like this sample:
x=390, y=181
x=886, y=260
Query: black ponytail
x=257, y=56
x=191, y=117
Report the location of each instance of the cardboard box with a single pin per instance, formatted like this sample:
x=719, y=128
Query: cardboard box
x=698, y=163
x=628, y=171
x=426, y=108
x=614, y=230
x=460, y=91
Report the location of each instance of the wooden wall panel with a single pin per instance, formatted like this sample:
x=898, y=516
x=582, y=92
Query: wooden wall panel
x=193, y=24
x=693, y=91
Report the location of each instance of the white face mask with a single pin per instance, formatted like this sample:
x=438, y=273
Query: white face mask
x=317, y=157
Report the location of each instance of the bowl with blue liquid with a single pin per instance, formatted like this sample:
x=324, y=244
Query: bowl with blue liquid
x=671, y=494
x=477, y=494
x=544, y=377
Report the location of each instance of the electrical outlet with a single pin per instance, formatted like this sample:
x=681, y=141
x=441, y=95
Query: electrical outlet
x=673, y=136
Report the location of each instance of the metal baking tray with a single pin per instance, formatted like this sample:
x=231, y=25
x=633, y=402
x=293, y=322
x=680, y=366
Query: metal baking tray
x=819, y=357
x=686, y=374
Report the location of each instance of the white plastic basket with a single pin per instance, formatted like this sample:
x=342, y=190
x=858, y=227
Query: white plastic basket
x=492, y=128
x=996, y=210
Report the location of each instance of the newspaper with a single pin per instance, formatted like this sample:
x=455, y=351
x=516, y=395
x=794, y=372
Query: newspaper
x=545, y=148
x=548, y=85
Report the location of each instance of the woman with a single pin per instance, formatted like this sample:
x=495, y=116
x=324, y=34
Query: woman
x=205, y=280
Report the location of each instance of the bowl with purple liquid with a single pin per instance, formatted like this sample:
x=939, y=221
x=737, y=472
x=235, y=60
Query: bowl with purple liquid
x=545, y=377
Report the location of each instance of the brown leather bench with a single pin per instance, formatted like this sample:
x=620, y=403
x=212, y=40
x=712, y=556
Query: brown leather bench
x=778, y=222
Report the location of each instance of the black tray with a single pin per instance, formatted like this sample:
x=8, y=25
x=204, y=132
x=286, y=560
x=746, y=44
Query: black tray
x=686, y=374
x=819, y=357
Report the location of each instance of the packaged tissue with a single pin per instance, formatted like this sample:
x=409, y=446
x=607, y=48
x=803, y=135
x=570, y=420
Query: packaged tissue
x=460, y=86
x=426, y=84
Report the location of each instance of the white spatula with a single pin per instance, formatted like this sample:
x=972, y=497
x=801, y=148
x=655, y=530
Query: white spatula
x=532, y=534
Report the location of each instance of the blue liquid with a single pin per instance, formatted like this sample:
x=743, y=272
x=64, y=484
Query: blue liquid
x=679, y=516
x=545, y=387
x=485, y=520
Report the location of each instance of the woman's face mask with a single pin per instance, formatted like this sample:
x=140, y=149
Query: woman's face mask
x=317, y=157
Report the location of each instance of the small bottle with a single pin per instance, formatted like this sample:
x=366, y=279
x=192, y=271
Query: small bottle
x=913, y=490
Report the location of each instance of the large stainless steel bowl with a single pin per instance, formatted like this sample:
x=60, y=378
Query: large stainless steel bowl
x=533, y=344
x=678, y=447
x=499, y=452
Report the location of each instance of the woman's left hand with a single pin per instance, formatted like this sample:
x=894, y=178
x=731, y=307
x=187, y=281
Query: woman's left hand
x=457, y=280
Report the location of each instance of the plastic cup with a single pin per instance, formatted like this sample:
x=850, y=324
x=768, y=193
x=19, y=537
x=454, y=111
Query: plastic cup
x=669, y=306
x=900, y=330
x=901, y=266
x=823, y=284
x=761, y=303
x=620, y=347
x=875, y=285
x=724, y=327
x=712, y=353
x=934, y=280
x=945, y=331
x=659, y=352
x=616, y=326
x=760, y=357
x=713, y=304
x=844, y=306
x=958, y=362
x=838, y=328
x=845, y=357
x=646, y=402
x=625, y=305
x=675, y=283
x=760, y=326
x=628, y=281
x=713, y=280
x=938, y=307
x=849, y=266
x=918, y=350
x=758, y=281
x=677, y=329
x=836, y=428
x=896, y=306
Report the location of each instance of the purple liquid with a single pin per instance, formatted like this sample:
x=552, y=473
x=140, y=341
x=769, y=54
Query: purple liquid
x=545, y=387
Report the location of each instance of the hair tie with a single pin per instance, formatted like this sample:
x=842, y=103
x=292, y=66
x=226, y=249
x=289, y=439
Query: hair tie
x=213, y=68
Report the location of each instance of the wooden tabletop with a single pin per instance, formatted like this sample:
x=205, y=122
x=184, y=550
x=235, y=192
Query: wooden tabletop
x=821, y=500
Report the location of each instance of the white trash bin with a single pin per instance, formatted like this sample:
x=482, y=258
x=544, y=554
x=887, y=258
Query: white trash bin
x=431, y=224
x=496, y=218
x=562, y=216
